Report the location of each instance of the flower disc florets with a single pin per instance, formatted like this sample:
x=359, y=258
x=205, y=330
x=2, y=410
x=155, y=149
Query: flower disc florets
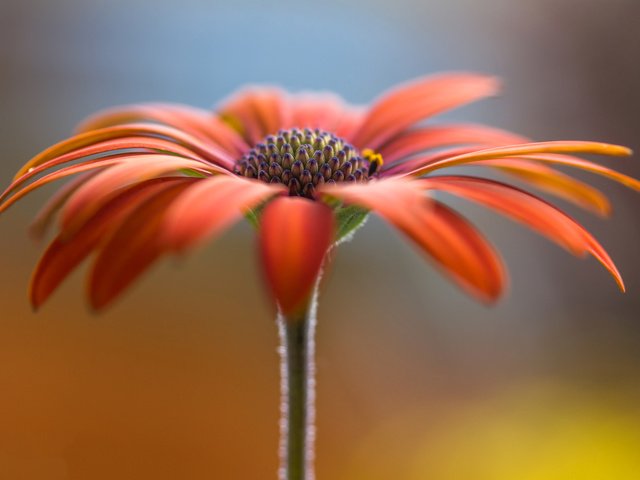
x=304, y=159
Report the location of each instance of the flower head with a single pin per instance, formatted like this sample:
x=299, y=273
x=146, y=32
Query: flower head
x=157, y=179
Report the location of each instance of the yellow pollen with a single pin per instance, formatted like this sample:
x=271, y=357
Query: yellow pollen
x=372, y=156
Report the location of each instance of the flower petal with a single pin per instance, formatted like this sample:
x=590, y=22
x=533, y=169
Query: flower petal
x=541, y=151
x=256, y=112
x=132, y=248
x=197, y=122
x=101, y=188
x=64, y=254
x=207, y=150
x=322, y=110
x=44, y=218
x=57, y=175
x=418, y=100
x=211, y=206
x=529, y=210
x=446, y=237
x=294, y=236
x=549, y=180
x=118, y=148
x=412, y=142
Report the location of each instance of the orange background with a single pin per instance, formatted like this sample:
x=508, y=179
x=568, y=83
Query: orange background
x=179, y=379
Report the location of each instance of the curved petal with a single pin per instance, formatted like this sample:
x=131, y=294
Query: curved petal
x=415, y=141
x=197, y=122
x=540, y=150
x=446, y=237
x=556, y=183
x=118, y=148
x=44, y=218
x=294, y=236
x=101, y=188
x=63, y=255
x=418, y=100
x=207, y=150
x=211, y=206
x=132, y=248
x=529, y=210
x=57, y=175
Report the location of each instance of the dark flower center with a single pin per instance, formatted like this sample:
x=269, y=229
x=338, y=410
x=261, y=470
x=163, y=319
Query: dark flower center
x=305, y=159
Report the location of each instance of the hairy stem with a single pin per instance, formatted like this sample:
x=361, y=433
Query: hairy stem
x=297, y=385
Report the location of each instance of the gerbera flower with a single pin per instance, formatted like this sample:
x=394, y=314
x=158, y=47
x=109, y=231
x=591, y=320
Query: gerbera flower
x=159, y=178
x=306, y=169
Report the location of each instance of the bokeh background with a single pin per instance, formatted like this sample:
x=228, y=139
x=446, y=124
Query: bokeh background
x=179, y=379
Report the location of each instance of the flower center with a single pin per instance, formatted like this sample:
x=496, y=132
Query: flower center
x=304, y=159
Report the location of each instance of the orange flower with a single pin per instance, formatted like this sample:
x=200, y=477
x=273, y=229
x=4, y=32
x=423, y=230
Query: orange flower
x=307, y=168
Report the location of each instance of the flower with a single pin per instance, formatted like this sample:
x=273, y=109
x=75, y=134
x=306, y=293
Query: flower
x=157, y=179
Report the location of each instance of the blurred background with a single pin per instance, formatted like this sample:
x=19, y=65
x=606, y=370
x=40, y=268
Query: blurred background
x=179, y=380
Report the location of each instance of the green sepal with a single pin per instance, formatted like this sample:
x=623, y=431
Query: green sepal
x=348, y=220
x=253, y=215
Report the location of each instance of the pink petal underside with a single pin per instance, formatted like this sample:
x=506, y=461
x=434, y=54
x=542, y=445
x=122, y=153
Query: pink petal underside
x=64, y=255
x=132, y=247
x=197, y=122
x=106, y=150
x=556, y=183
x=207, y=151
x=413, y=142
x=44, y=218
x=101, y=188
x=419, y=100
x=446, y=237
x=259, y=112
x=529, y=210
x=294, y=236
x=211, y=206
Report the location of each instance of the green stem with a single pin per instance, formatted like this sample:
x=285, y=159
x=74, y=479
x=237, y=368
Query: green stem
x=297, y=408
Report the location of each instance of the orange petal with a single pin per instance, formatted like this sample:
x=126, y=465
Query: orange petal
x=402, y=107
x=206, y=150
x=197, y=122
x=537, y=149
x=319, y=110
x=132, y=248
x=446, y=237
x=416, y=141
x=211, y=206
x=64, y=255
x=101, y=188
x=57, y=175
x=44, y=218
x=107, y=149
x=529, y=210
x=256, y=112
x=294, y=236
x=556, y=183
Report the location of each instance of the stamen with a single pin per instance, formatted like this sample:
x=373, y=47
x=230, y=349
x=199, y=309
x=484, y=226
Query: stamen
x=375, y=160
